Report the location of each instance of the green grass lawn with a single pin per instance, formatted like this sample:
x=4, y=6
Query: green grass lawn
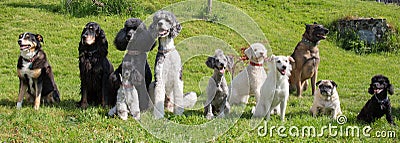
x=282, y=24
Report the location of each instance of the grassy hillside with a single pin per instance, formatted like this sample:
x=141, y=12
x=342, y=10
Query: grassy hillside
x=281, y=22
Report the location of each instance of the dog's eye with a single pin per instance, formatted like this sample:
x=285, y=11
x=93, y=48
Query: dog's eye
x=278, y=61
x=20, y=36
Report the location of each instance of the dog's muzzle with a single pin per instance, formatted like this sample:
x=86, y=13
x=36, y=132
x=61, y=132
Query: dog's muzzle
x=283, y=70
x=378, y=88
x=23, y=47
x=325, y=90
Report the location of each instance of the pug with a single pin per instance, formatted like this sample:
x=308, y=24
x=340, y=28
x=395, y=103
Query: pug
x=326, y=99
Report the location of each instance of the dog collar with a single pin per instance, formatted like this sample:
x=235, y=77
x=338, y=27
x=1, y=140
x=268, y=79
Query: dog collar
x=255, y=64
x=127, y=86
x=134, y=52
x=381, y=101
x=33, y=57
x=308, y=42
x=163, y=51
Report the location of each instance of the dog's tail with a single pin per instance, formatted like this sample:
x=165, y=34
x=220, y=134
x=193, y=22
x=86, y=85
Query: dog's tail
x=190, y=99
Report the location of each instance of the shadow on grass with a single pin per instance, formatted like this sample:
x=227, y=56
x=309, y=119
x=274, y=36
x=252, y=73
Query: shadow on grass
x=48, y=7
x=8, y=103
x=396, y=112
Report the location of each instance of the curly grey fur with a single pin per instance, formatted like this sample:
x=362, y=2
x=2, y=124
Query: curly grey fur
x=168, y=66
x=217, y=89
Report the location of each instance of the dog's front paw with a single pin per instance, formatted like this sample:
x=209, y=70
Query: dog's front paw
x=36, y=107
x=136, y=115
x=112, y=111
x=19, y=105
x=210, y=116
x=123, y=115
x=253, y=110
x=83, y=105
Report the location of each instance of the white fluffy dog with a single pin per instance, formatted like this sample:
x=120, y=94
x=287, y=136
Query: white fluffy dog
x=168, y=84
x=275, y=89
x=249, y=80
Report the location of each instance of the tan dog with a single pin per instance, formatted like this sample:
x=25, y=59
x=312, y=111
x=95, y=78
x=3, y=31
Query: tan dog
x=326, y=99
x=306, y=55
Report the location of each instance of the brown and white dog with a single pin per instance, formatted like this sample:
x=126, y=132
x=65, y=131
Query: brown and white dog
x=306, y=55
x=35, y=74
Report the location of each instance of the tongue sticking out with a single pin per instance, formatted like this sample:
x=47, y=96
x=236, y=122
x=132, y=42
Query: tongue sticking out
x=163, y=32
x=24, y=47
x=283, y=72
x=377, y=91
x=222, y=71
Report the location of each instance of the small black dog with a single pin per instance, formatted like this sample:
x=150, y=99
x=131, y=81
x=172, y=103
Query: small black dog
x=379, y=104
x=94, y=67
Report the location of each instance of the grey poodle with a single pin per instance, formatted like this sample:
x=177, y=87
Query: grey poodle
x=127, y=98
x=217, y=89
x=168, y=67
x=121, y=41
x=133, y=69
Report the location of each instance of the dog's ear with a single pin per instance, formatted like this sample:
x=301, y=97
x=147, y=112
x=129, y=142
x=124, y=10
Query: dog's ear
x=102, y=33
x=210, y=62
x=249, y=52
x=39, y=37
x=230, y=62
x=334, y=83
x=175, y=30
x=152, y=29
x=390, y=89
x=315, y=23
x=318, y=82
x=120, y=40
x=307, y=27
x=291, y=59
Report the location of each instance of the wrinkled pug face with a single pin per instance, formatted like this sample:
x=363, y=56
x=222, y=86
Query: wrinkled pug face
x=326, y=87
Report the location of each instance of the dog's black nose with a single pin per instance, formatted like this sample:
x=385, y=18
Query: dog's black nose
x=283, y=67
x=19, y=42
x=160, y=23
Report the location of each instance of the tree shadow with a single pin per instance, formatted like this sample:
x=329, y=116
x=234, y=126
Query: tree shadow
x=396, y=112
x=48, y=7
x=8, y=103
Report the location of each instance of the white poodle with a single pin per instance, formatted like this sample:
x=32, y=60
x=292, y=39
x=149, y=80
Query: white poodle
x=249, y=80
x=168, y=85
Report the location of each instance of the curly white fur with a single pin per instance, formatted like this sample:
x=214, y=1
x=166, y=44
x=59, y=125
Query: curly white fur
x=249, y=80
x=168, y=68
